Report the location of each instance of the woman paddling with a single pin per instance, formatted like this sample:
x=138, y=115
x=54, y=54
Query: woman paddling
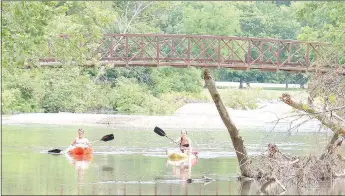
x=81, y=141
x=185, y=143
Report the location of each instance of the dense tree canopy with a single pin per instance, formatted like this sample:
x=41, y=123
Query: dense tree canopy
x=31, y=30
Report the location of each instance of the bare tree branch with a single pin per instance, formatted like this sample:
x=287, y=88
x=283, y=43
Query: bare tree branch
x=138, y=9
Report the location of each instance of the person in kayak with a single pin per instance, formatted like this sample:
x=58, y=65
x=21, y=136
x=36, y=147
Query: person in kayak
x=185, y=143
x=81, y=141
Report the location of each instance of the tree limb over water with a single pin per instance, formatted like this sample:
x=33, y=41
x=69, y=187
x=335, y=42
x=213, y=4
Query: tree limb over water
x=237, y=140
x=276, y=167
x=323, y=117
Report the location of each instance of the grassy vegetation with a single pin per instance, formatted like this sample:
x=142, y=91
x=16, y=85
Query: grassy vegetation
x=249, y=98
x=235, y=98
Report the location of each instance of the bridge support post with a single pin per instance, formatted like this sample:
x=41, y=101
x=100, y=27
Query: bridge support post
x=237, y=140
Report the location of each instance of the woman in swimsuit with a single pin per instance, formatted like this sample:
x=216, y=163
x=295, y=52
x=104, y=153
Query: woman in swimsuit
x=81, y=141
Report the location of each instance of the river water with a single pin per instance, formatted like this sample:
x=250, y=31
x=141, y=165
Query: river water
x=135, y=163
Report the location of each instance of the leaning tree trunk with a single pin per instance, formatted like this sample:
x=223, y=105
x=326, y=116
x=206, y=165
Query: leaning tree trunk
x=233, y=131
x=323, y=118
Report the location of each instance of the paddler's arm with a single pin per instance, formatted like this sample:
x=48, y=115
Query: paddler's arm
x=73, y=142
x=177, y=140
x=190, y=145
x=88, y=143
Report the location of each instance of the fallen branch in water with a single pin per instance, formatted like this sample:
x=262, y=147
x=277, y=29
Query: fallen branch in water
x=266, y=187
x=321, y=116
x=340, y=175
x=336, y=127
x=301, y=171
x=280, y=184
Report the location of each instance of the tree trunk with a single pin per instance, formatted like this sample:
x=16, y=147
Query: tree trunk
x=241, y=83
x=286, y=80
x=233, y=131
x=330, y=146
x=323, y=118
x=302, y=85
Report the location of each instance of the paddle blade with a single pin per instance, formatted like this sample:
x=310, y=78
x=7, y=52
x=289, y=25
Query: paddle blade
x=54, y=151
x=159, y=131
x=108, y=137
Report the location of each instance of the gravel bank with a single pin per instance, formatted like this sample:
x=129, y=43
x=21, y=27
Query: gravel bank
x=194, y=116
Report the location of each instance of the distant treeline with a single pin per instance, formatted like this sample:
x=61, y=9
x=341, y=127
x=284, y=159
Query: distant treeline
x=27, y=27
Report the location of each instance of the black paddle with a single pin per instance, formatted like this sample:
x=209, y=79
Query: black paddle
x=160, y=132
x=54, y=151
x=104, y=138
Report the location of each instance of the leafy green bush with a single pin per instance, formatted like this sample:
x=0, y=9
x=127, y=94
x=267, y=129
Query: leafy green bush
x=168, y=79
x=12, y=102
x=241, y=99
x=131, y=97
x=21, y=91
x=67, y=90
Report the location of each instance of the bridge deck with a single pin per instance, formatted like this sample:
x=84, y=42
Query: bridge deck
x=216, y=51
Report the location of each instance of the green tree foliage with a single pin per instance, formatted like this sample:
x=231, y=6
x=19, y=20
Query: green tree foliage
x=131, y=97
x=84, y=23
x=325, y=21
x=211, y=18
x=53, y=91
x=321, y=21
x=24, y=31
x=140, y=16
x=66, y=92
x=265, y=20
x=142, y=74
x=32, y=30
x=168, y=79
x=171, y=22
x=22, y=90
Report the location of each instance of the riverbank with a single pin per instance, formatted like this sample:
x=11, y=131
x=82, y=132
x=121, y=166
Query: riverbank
x=193, y=116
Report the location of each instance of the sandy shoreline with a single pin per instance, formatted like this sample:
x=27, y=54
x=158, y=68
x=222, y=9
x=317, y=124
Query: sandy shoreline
x=194, y=116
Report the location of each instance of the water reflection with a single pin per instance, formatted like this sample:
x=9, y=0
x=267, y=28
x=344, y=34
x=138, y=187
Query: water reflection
x=138, y=167
x=107, y=169
x=245, y=186
x=182, y=169
x=81, y=164
x=249, y=187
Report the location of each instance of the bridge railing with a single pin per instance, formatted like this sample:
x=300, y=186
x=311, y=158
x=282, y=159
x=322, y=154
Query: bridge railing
x=216, y=51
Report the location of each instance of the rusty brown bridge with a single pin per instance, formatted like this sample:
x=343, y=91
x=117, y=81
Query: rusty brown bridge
x=243, y=53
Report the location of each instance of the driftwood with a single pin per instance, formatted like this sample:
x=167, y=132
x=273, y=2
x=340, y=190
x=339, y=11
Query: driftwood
x=337, y=128
x=276, y=171
x=245, y=187
x=266, y=186
x=237, y=140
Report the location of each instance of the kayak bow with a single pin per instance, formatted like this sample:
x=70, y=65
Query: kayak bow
x=80, y=151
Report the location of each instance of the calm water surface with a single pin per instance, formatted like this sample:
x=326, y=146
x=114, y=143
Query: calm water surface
x=134, y=162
